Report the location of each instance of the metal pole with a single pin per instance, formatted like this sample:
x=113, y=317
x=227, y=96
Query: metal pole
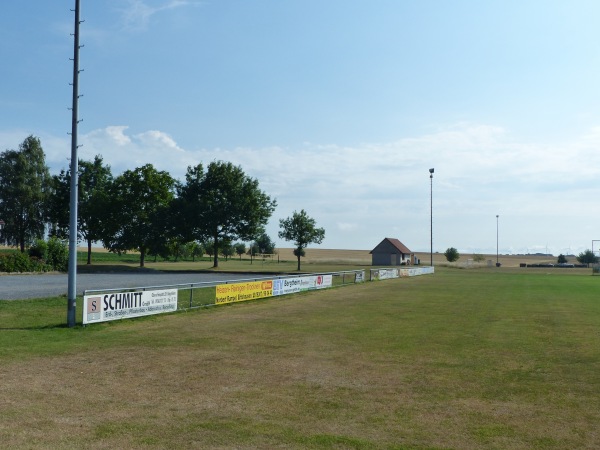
x=72, y=279
x=497, y=261
x=431, y=215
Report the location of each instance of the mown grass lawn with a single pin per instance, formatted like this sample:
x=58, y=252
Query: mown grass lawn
x=461, y=359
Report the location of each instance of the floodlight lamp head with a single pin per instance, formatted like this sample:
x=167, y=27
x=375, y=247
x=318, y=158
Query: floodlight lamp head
x=431, y=171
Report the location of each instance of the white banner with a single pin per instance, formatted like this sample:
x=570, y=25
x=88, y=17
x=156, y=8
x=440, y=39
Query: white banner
x=416, y=271
x=285, y=286
x=124, y=305
x=384, y=274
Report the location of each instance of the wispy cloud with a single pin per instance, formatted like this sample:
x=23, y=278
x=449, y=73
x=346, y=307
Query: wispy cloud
x=360, y=194
x=137, y=14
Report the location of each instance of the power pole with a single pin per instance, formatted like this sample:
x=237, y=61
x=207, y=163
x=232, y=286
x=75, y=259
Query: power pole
x=72, y=279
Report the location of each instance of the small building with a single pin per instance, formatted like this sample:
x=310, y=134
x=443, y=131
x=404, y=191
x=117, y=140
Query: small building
x=391, y=252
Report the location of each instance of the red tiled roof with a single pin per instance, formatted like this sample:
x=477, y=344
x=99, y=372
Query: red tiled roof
x=397, y=244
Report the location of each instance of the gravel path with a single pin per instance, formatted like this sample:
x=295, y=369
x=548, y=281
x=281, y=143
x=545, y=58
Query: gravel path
x=18, y=287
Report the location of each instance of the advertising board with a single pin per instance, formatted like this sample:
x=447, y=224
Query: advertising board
x=285, y=286
x=385, y=274
x=125, y=305
x=241, y=292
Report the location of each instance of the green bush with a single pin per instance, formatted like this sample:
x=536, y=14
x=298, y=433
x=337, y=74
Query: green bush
x=39, y=250
x=58, y=255
x=21, y=262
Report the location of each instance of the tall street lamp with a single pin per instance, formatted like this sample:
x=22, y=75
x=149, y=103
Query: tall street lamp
x=431, y=215
x=497, y=262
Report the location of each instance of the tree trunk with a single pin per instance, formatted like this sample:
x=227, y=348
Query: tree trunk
x=216, y=254
x=89, y=258
x=298, y=262
x=142, y=256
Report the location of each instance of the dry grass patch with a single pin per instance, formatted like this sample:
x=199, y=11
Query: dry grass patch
x=456, y=360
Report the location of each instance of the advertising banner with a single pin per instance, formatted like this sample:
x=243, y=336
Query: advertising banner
x=285, y=286
x=385, y=274
x=416, y=271
x=124, y=305
x=241, y=292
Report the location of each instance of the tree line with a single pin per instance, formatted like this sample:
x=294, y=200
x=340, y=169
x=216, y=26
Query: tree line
x=144, y=209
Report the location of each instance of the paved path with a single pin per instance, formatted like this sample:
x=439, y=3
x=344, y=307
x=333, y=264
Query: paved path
x=17, y=287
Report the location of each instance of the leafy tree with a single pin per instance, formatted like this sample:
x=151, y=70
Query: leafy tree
x=264, y=244
x=94, y=180
x=195, y=249
x=252, y=251
x=451, y=254
x=137, y=214
x=587, y=257
x=562, y=259
x=209, y=248
x=240, y=249
x=170, y=247
x=301, y=229
x=24, y=188
x=227, y=249
x=222, y=204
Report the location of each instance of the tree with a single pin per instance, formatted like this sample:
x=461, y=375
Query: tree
x=227, y=249
x=24, y=189
x=94, y=179
x=587, y=257
x=301, y=229
x=240, y=249
x=264, y=244
x=252, y=251
x=209, y=248
x=137, y=214
x=451, y=254
x=562, y=259
x=195, y=249
x=222, y=204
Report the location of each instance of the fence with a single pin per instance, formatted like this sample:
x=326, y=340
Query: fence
x=111, y=304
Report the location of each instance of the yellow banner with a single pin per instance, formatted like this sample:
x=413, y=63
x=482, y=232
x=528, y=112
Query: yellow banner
x=241, y=292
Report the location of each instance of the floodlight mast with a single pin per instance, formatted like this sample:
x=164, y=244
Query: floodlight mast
x=497, y=252
x=431, y=215
x=72, y=279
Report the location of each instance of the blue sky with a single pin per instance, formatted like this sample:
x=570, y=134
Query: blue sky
x=336, y=107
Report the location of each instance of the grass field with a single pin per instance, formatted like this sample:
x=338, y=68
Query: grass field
x=462, y=359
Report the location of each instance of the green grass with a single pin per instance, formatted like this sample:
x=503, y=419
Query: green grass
x=461, y=359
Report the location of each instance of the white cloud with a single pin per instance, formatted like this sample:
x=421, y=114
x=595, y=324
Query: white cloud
x=138, y=13
x=363, y=193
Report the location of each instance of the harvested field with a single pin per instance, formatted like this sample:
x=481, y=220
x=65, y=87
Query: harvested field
x=363, y=257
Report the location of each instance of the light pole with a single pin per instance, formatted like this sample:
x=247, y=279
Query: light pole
x=497, y=262
x=431, y=215
x=72, y=276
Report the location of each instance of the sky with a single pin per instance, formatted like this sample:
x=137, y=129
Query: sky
x=337, y=107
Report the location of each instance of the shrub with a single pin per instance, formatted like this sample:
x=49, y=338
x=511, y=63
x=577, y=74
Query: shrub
x=58, y=255
x=39, y=250
x=21, y=262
